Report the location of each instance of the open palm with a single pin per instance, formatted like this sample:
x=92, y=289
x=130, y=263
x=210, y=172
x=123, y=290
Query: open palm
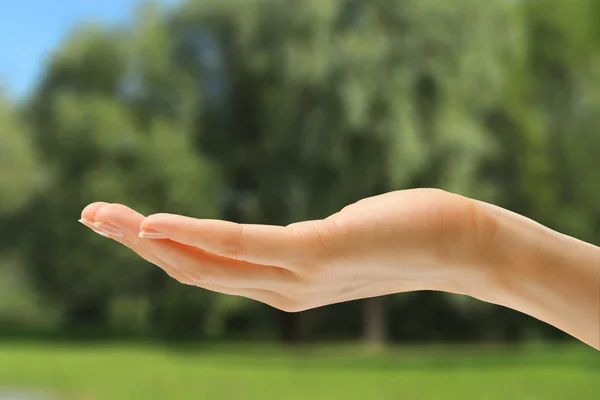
x=400, y=241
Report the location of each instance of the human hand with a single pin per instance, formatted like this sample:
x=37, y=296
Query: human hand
x=421, y=239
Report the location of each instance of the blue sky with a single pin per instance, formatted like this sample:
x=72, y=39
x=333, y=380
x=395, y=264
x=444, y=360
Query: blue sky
x=31, y=29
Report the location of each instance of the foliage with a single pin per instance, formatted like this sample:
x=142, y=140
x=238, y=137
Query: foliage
x=273, y=112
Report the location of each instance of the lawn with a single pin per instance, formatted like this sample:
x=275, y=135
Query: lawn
x=95, y=372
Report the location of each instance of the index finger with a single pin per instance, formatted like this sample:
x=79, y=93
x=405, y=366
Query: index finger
x=261, y=244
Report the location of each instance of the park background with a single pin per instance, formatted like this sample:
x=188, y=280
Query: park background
x=265, y=111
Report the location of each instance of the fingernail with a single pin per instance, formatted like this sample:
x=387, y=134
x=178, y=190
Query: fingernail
x=150, y=234
x=107, y=228
x=90, y=225
x=86, y=222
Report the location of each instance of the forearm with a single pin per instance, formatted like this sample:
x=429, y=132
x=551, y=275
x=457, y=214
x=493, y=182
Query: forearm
x=550, y=276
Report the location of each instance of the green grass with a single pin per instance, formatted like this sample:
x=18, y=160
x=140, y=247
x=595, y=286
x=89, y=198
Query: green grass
x=95, y=372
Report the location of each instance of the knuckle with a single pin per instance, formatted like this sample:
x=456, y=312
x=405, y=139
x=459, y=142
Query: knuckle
x=462, y=221
x=483, y=225
x=314, y=236
x=232, y=245
x=296, y=231
x=468, y=219
x=450, y=214
x=298, y=234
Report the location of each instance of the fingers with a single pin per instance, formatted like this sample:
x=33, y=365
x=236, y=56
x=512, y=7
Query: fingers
x=119, y=220
x=122, y=224
x=146, y=255
x=264, y=296
x=263, y=244
x=89, y=213
x=205, y=268
x=184, y=263
x=123, y=228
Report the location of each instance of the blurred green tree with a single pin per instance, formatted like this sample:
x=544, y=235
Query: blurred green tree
x=318, y=104
x=19, y=173
x=275, y=112
x=101, y=127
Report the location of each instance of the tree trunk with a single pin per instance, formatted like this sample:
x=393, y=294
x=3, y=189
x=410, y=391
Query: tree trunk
x=374, y=322
x=87, y=317
x=291, y=331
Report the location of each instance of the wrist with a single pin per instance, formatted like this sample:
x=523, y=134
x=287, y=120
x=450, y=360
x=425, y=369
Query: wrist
x=482, y=250
x=545, y=274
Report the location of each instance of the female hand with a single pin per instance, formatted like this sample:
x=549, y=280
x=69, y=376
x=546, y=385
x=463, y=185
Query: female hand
x=423, y=239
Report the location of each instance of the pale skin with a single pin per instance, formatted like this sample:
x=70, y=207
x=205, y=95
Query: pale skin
x=419, y=239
